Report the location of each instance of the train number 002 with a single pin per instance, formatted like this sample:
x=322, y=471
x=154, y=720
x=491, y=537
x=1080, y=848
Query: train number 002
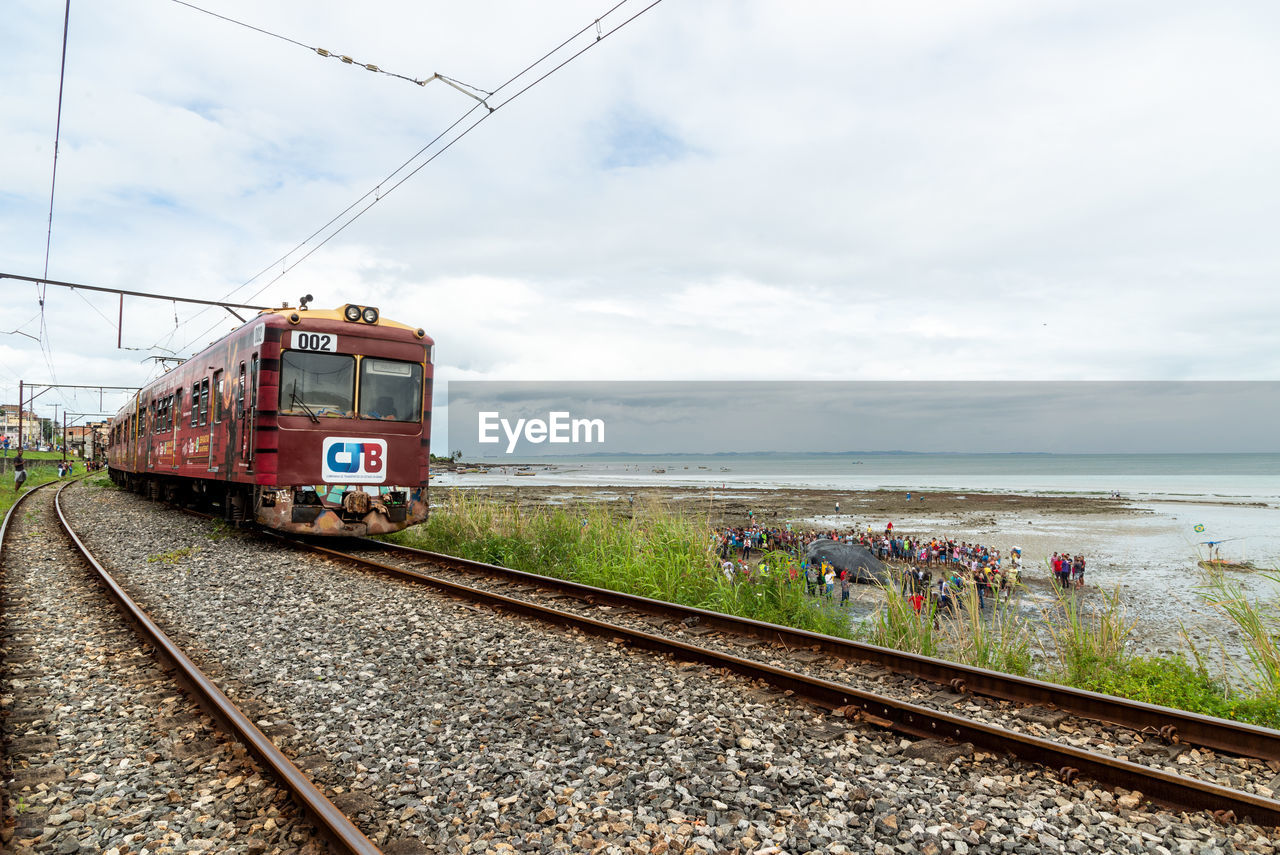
x=315, y=341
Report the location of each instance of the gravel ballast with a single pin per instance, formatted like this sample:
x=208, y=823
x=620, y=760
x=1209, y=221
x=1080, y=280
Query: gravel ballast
x=443, y=727
x=103, y=753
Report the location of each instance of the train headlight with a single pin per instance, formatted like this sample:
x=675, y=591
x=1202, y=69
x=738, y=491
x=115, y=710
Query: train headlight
x=351, y=313
x=294, y=318
x=370, y=315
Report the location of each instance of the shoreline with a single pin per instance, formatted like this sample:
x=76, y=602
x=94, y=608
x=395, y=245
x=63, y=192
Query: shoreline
x=1145, y=551
x=496, y=476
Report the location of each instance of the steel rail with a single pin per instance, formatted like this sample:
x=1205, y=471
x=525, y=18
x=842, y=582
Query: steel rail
x=1164, y=787
x=331, y=821
x=1233, y=737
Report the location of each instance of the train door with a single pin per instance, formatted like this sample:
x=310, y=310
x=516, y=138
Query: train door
x=246, y=409
x=215, y=417
x=135, y=439
x=175, y=416
x=203, y=387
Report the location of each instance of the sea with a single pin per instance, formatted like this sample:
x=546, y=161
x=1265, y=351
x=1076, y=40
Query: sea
x=1233, y=477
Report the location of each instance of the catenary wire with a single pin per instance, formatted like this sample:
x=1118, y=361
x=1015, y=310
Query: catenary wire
x=283, y=259
x=492, y=109
x=46, y=348
x=328, y=54
x=460, y=136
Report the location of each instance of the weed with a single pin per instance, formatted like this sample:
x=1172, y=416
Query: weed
x=1259, y=628
x=1000, y=643
x=172, y=557
x=897, y=624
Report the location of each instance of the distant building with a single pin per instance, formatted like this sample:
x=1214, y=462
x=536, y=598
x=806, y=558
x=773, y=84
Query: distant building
x=9, y=426
x=87, y=440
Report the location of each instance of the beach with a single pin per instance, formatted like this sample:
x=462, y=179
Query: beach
x=1144, y=547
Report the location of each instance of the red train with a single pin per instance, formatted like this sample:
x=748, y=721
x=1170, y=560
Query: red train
x=308, y=421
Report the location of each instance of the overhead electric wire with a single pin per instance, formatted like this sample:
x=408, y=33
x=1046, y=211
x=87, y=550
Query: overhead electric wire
x=284, y=258
x=411, y=159
x=492, y=109
x=45, y=347
x=469, y=129
x=343, y=58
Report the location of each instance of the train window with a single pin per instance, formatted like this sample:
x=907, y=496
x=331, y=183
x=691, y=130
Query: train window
x=240, y=392
x=204, y=401
x=390, y=390
x=177, y=408
x=217, y=396
x=317, y=384
x=195, y=404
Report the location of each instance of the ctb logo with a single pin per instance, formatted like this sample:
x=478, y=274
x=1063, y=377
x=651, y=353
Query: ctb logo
x=351, y=460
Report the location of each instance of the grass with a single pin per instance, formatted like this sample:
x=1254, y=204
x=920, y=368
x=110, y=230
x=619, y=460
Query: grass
x=999, y=643
x=36, y=475
x=897, y=625
x=656, y=554
x=659, y=554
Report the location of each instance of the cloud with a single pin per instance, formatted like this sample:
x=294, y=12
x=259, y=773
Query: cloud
x=730, y=190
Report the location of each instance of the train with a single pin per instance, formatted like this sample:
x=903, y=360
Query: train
x=302, y=420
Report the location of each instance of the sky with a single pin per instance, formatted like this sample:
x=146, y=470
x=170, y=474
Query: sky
x=742, y=190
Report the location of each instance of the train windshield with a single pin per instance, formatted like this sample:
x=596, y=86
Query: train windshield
x=390, y=389
x=317, y=384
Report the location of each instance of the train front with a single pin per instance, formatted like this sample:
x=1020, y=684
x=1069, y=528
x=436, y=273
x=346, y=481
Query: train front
x=352, y=426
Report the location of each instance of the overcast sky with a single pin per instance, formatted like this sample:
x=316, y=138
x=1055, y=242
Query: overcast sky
x=717, y=190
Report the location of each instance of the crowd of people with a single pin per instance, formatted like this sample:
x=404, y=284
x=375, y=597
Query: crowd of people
x=935, y=569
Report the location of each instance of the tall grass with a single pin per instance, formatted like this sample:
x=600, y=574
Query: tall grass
x=1088, y=640
x=897, y=624
x=656, y=554
x=999, y=643
x=1259, y=627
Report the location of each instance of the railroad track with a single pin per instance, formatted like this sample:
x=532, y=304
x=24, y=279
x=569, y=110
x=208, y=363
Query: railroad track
x=38, y=765
x=1030, y=717
x=458, y=726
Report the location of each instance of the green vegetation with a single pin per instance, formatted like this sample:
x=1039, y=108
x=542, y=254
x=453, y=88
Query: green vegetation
x=36, y=475
x=172, y=557
x=1258, y=624
x=896, y=624
x=656, y=554
x=1084, y=642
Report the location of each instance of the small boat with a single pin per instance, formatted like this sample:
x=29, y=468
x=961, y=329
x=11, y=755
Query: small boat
x=659, y=470
x=526, y=472
x=724, y=468
x=1223, y=564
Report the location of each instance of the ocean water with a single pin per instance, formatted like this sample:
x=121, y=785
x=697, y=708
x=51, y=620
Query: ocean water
x=1239, y=477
